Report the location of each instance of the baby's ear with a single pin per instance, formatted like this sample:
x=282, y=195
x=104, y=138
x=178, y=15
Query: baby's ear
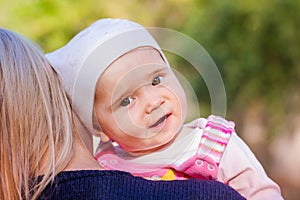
x=102, y=135
x=99, y=133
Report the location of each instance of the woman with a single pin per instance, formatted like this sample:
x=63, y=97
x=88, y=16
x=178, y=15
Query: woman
x=36, y=129
x=43, y=157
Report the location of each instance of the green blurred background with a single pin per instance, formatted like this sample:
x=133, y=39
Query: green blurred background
x=255, y=45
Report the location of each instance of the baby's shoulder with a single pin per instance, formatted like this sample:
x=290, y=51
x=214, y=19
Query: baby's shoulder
x=213, y=122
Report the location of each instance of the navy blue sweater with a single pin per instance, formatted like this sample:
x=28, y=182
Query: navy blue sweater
x=114, y=185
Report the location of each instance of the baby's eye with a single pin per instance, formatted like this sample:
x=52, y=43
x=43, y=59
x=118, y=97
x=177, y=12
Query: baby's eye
x=126, y=101
x=157, y=80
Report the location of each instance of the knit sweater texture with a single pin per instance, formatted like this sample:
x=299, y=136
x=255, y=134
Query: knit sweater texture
x=115, y=185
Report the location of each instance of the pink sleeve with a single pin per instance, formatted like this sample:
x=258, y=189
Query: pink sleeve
x=240, y=169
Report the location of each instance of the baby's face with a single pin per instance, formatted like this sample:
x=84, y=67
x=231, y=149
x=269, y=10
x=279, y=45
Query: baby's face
x=139, y=102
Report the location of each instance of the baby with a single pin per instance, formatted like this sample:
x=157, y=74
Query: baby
x=133, y=100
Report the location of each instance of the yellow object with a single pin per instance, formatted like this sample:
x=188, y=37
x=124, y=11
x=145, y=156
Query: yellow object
x=169, y=175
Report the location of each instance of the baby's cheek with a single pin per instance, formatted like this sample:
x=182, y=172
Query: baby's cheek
x=125, y=124
x=135, y=118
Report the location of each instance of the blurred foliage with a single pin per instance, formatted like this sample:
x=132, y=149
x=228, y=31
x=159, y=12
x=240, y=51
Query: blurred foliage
x=256, y=47
x=255, y=44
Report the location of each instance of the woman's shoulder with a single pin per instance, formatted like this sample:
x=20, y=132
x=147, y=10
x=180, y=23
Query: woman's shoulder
x=86, y=174
x=217, y=125
x=109, y=184
x=82, y=184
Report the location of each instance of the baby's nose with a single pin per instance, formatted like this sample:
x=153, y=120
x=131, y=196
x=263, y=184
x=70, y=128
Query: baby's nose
x=153, y=101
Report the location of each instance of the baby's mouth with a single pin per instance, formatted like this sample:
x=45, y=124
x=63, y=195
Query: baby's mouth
x=160, y=120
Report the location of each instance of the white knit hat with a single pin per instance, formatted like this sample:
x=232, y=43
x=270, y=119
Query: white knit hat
x=81, y=62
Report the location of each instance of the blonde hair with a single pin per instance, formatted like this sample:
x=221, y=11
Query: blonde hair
x=36, y=126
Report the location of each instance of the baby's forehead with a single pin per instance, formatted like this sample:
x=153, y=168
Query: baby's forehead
x=129, y=81
x=148, y=49
x=135, y=59
x=146, y=54
x=136, y=73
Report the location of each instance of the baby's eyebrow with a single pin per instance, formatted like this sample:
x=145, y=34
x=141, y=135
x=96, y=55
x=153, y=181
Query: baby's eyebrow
x=165, y=68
